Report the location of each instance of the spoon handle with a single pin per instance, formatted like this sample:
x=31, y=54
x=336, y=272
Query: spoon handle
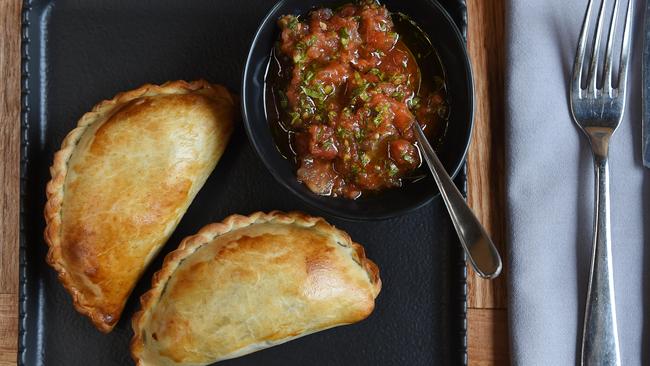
x=481, y=252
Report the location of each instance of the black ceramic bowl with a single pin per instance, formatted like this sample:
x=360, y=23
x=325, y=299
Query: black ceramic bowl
x=450, y=45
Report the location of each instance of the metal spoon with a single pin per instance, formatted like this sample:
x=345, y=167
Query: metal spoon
x=481, y=252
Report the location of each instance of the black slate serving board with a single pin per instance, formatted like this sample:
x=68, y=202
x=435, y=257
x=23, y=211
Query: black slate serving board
x=77, y=53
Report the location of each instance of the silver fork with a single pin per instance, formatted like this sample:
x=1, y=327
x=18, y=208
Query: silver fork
x=598, y=110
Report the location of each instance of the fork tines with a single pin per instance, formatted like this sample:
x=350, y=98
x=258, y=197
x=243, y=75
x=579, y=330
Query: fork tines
x=606, y=86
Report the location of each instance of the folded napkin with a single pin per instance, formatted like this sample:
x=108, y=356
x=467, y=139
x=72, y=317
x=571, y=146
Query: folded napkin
x=550, y=193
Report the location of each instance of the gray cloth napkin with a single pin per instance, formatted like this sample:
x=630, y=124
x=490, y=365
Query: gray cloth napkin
x=550, y=190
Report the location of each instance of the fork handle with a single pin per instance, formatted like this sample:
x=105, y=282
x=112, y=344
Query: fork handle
x=600, y=336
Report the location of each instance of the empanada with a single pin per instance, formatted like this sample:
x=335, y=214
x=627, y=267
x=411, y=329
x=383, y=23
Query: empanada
x=121, y=182
x=250, y=283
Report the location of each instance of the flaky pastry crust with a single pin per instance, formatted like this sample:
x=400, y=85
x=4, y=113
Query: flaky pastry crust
x=60, y=170
x=366, y=289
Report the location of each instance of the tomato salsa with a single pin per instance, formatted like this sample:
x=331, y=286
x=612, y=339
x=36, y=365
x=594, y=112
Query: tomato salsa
x=346, y=90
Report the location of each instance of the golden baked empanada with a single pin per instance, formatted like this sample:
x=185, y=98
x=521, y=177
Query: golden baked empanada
x=249, y=283
x=121, y=183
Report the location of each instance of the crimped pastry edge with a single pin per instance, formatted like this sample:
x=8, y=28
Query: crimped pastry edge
x=209, y=233
x=59, y=169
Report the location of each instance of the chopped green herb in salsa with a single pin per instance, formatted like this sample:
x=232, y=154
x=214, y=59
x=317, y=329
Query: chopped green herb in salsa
x=350, y=92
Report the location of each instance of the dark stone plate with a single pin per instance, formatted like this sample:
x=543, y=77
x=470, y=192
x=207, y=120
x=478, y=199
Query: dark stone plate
x=77, y=53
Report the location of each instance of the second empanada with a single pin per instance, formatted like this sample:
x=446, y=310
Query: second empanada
x=249, y=283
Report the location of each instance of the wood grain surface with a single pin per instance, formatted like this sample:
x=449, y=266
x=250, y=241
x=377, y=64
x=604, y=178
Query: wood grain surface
x=487, y=315
x=9, y=176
